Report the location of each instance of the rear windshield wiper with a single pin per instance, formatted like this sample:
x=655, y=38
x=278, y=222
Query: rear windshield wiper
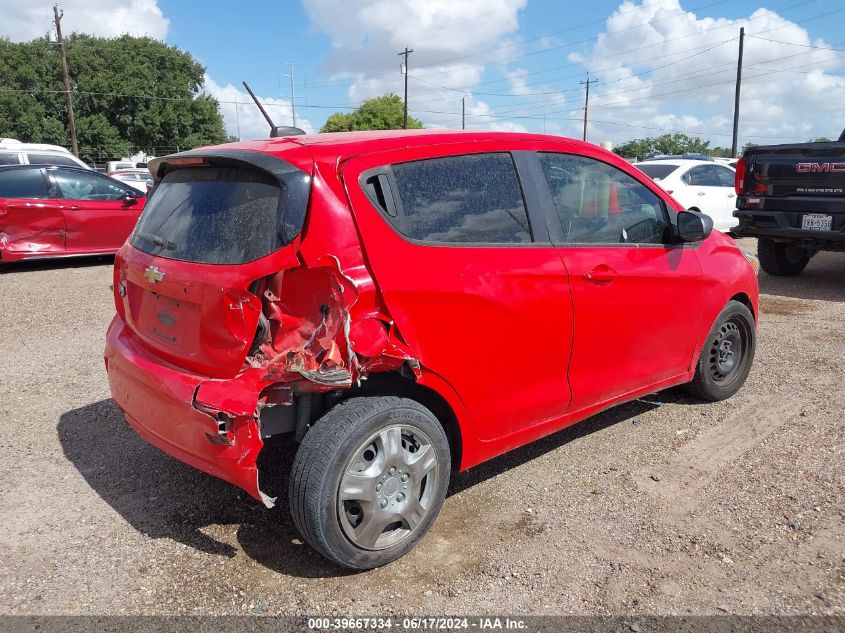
x=158, y=241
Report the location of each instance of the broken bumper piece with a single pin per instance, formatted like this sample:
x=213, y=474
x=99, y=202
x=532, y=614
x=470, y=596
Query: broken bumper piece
x=161, y=403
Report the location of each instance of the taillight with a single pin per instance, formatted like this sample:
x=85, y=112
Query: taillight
x=739, y=181
x=119, y=284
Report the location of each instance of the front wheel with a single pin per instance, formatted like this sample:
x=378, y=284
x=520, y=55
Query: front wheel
x=726, y=356
x=781, y=259
x=369, y=479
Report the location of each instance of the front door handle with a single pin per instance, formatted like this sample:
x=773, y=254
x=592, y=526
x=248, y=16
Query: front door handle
x=601, y=274
x=702, y=193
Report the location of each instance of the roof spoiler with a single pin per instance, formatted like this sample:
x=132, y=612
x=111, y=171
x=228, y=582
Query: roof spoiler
x=842, y=137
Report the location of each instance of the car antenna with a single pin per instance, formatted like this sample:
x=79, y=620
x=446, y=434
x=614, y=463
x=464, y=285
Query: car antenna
x=275, y=130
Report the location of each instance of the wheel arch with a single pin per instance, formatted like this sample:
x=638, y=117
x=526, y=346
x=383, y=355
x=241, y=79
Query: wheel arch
x=745, y=300
x=395, y=384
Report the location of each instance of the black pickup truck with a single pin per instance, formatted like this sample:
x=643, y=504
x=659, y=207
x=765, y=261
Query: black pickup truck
x=792, y=198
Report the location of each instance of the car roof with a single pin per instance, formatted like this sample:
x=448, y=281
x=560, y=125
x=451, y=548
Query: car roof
x=348, y=144
x=680, y=162
x=46, y=166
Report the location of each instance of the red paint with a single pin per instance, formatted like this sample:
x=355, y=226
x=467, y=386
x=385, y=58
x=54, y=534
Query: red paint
x=519, y=341
x=33, y=228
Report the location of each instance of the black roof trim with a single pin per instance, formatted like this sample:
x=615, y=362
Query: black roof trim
x=273, y=165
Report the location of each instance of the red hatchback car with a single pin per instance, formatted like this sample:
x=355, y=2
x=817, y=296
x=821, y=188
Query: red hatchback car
x=57, y=211
x=402, y=304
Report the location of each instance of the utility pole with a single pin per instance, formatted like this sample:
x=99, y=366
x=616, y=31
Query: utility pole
x=292, y=94
x=68, y=95
x=587, y=101
x=405, y=53
x=463, y=113
x=738, y=85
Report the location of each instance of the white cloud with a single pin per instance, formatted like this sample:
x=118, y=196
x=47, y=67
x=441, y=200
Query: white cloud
x=23, y=20
x=785, y=86
x=242, y=117
x=446, y=36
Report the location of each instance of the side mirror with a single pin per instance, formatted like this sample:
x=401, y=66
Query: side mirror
x=694, y=226
x=129, y=200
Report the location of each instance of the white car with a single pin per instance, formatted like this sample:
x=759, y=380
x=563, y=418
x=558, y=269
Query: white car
x=13, y=152
x=704, y=185
x=140, y=179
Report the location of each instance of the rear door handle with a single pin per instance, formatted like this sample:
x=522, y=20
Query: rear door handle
x=601, y=274
x=702, y=193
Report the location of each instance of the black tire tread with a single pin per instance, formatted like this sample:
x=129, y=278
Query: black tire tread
x=315, y=454
x=698, y=387
x=773, y=259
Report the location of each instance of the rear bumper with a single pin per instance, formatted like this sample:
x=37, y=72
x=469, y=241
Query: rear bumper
x=785, y=225
x=159, y=402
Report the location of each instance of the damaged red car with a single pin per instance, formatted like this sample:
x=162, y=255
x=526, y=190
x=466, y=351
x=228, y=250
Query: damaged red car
x=59, y=211
x=403, y=305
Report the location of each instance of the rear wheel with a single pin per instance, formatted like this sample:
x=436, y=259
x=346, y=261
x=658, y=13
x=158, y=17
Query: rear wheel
x=369, y=479
x=726, y=357
x=781, y=258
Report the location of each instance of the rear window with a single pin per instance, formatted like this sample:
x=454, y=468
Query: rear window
x=656, y=171
x=469, y=199
x=22, y=183
x=219, y=215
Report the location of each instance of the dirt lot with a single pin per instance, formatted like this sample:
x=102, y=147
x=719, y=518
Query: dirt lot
x=660, y=506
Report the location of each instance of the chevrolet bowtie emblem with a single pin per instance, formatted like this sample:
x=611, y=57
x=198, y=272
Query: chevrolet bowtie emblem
x=153, y=274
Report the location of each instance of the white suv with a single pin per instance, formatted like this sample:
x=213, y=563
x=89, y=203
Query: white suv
x=703, y=185
x=13, y=152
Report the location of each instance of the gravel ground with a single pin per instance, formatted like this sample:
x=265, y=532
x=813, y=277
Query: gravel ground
x=660, y=506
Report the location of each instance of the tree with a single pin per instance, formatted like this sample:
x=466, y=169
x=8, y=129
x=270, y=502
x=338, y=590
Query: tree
x=130, y=94
x=380, y=113
x=669, y=144
x=820, y=139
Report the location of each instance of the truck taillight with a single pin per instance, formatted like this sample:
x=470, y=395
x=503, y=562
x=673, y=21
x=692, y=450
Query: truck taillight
x=739, y=182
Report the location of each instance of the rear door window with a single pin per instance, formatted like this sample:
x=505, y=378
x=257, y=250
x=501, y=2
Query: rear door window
x=701, y=176
x=9, y=158
x=22, y=183
x=472, y=198
x=725, y=176
x=656, y=171
x=219, y=215
x=51, y=159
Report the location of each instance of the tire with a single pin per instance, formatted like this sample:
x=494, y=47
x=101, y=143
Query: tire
x=720, y=372
x=369, y=479
x=781, y=259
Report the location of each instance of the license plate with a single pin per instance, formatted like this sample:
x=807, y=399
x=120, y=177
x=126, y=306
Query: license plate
x=816, y=221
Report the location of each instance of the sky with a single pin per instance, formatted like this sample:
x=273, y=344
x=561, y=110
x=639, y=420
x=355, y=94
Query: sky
x=659, y=66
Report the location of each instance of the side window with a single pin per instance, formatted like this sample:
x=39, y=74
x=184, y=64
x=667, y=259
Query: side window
x=79, y=185
x=9, y=158
x=600, y=204
x=50, y=159
x=466, y=199
x=22, y=183
x=702, y=176
x=725, y=176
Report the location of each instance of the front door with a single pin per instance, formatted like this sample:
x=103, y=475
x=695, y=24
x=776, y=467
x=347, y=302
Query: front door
x=636, y=295
x=98, y=214
x=467, y=272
